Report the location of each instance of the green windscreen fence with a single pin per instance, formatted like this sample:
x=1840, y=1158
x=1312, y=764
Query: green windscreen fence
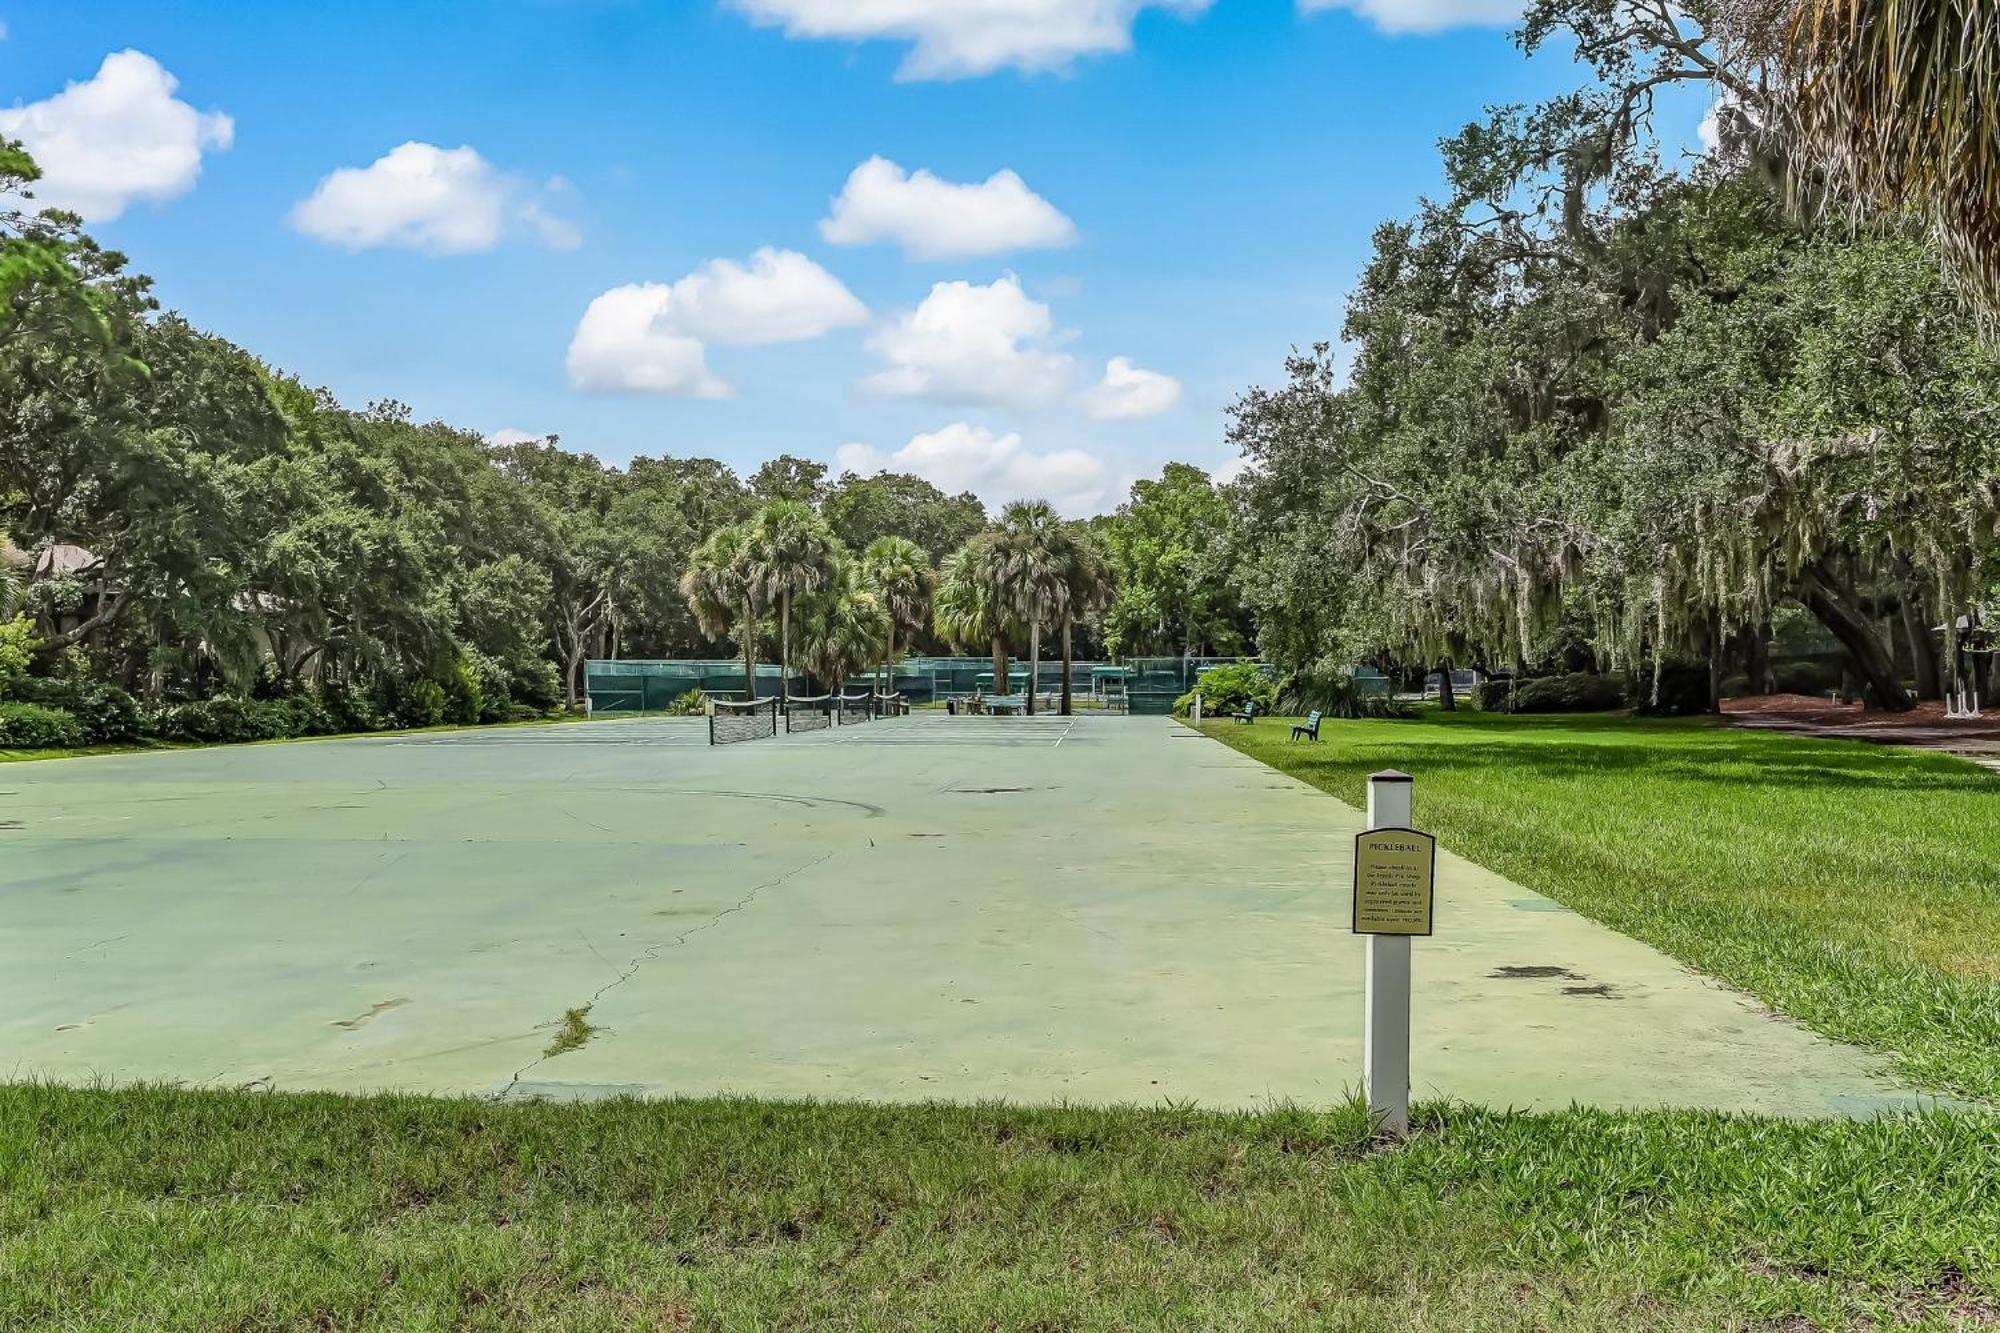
x=652, y=687
x=1139, y=685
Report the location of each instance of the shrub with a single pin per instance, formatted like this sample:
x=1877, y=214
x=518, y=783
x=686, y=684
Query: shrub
x=304, y=716
x=535, y=683
x=108, y=715
x=228, y=718
x=1572, y=692
x=1807, y=675
x=1226, y=689
x=494, y=682
x=17, y=648
x=26, y=726
x=1683, y=688
x=1332, y=690
x=463, y=698
x=238, y=719
x=349, y=707
x=417, y=703
x=688, y=705
x=1493, y=693
x=177, y=722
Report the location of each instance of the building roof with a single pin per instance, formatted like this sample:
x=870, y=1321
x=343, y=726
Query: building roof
x=53, y=562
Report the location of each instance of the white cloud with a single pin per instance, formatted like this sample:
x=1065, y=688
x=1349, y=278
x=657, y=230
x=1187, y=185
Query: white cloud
x=118, y=136
x=932, y=218
x=971, y=344
x=1401, y=16
x=1231, y=470
x=626, y=342
x=650, y=337
x=781, y=297
x=996, y=468
x=443, y=201
x=952, y=39
x=507, y=435
x=1127, y=392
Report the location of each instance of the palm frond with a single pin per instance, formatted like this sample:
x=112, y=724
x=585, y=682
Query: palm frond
x=1893, y=107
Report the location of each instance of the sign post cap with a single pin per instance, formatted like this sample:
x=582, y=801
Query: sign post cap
x=1390, y=775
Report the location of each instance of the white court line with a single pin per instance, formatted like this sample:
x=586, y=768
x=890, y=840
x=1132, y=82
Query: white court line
x=1065, y=736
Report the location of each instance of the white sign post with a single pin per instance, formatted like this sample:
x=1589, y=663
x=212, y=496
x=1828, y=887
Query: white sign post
x=1392, y=887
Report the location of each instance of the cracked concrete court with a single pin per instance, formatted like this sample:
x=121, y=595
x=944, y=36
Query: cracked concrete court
x=1105, y=910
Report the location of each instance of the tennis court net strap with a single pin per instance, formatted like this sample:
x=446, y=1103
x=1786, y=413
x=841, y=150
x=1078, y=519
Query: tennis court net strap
x=731, y=722
x=814, y=714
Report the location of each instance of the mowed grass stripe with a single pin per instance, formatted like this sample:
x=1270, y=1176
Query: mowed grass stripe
x=1853, y=886
x=179, y=1210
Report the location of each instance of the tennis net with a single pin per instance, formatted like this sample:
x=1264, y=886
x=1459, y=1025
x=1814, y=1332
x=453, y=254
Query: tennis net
x=814, y=714
x=731, y=722
x=856, y=708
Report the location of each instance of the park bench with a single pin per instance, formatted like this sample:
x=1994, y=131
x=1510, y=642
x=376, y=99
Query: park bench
x=1308, y=728
x=1247, y=713
x=999, y=704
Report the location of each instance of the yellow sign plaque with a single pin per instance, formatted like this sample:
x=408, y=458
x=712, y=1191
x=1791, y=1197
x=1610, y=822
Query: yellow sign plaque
x=1394, y=871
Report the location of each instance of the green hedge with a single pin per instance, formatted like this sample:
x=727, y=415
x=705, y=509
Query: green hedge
x=108, y=715
x=1571, y=692
x=1683, y=689
x=25, y=726
x=229, y=718
x=65, y=712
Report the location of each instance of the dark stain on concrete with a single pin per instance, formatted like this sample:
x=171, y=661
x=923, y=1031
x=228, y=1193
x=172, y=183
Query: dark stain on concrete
x=375, y=1011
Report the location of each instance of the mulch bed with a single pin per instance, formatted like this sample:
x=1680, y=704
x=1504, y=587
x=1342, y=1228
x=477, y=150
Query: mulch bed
x=1925, y=725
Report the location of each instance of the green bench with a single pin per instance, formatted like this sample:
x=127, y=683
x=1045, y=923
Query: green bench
x=1308, y=728
x=999, y=704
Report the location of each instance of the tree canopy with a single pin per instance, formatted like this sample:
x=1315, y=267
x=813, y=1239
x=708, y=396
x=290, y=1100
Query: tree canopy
x=1589, y=394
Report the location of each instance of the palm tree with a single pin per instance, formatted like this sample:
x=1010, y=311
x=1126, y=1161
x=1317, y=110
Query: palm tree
x=790, y=553
x=1087, y=586
x=1895, y=106
x=1031, y=540
x=970, y=609
x=900, y=572
x=844, y=626
x=722, y=595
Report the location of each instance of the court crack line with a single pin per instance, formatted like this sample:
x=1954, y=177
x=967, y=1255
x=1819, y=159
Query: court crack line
x=653, y=951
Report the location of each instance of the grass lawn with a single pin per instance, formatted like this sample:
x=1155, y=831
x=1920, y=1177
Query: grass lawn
x=155, y=1209
x=1853, y=886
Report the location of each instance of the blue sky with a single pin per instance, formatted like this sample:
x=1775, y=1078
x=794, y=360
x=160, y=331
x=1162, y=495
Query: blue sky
x=1196, y=188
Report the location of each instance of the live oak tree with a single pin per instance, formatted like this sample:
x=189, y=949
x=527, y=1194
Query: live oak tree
x=894, y=504
x=188, y=518
x=1168, y=545
x=1587, y=390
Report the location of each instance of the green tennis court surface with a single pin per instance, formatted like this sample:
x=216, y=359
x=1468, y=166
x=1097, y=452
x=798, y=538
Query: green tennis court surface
x=1110, y=909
